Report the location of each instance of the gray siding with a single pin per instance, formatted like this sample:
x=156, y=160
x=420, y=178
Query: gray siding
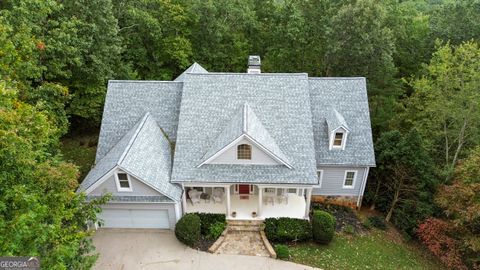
x=138, y=187
x=332, y=181
x=170, y=207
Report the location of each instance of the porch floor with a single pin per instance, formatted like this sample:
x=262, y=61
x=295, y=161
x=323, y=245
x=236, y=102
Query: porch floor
x=295, y=208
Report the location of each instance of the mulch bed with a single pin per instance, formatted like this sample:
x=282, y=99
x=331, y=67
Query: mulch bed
x=204, y=244
x=344, y=216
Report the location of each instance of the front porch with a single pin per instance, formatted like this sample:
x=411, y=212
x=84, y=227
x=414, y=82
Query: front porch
x=240, y=202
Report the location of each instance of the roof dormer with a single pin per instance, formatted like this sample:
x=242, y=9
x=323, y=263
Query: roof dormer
x=337, y=130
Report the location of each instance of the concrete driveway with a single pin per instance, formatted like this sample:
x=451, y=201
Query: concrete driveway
x=159, y=249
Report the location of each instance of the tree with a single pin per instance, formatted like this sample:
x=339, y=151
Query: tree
x=445, y=105
x=40, y=212
x=221, y=33
x=156, y=35
x=405, y=175
x=456, y=21
x=469, y=170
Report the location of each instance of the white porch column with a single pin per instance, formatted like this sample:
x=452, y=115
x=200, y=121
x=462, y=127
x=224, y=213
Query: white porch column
x=227, y=190
x=184, y=200
x=260, y=193
x=308, y=200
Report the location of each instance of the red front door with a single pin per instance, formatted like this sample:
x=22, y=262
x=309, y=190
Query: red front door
x=244, y=189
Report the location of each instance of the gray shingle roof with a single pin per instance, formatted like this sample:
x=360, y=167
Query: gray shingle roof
x=194, y=68
x=349, y=97
x=281, y=104
x=143, y=152
x=137, y=199
x=127, y=101
x=335, y=120
x=244, y=121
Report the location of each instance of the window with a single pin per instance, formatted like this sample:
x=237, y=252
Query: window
x=244, y=151
x=349, y=181
x=338, y=140
x=269, y=190
x=320, y=177
x=291, y=190
x=123, y=182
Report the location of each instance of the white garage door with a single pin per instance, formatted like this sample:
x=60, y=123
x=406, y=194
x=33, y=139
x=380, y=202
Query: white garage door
x=135, y=218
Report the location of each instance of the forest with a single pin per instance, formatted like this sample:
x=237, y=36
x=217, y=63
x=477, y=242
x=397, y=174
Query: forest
x=421, y=59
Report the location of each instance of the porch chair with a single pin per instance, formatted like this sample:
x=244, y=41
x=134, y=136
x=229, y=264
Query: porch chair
x=194, y=196
x=217, y=195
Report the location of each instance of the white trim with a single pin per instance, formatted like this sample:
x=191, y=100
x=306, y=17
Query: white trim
x=117, y=182
x=252, y=141
x=221, y=151
x=320, y=181
x=345, y=132
x=364, y=184
x=100, y=181
x=235, y=189
x=251, y=189
x=354, y=179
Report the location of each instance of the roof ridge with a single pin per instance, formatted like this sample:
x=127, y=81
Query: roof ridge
x=253, y=74
x=134, y=137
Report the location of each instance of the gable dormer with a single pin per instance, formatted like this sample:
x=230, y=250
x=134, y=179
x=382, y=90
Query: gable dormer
x=244, y=140
x=337, y=130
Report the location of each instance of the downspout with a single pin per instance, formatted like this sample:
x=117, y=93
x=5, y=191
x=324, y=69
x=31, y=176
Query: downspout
x=362, y=188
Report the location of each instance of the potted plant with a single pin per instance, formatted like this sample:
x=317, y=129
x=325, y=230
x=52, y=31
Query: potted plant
x=234, y=214
x=254, y=214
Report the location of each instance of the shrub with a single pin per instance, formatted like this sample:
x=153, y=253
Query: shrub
x=349, y=229
x=208, y=219
x=366, y=224
x=377, y=222
x=434, y=233
x=323, y=226
x=216, y=230
x=187, y=229
x=287, y=229
x=282, y=251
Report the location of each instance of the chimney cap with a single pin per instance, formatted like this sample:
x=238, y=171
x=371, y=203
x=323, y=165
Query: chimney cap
x=254, y=60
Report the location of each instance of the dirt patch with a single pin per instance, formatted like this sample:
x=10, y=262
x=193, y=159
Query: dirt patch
x=204, y=244
x=345, y=217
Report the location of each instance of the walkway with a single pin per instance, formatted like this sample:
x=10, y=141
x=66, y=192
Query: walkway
x=122, y=249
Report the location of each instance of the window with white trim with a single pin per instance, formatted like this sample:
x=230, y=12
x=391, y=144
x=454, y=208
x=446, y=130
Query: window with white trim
x=320, y=177
x=338, y=139
x=123, y=182
x=349, y=180
x=292, y=190
x=269, y=190
x=244, y=151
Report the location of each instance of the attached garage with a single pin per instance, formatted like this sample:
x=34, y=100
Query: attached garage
x=141, y=216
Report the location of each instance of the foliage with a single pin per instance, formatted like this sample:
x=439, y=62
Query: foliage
x=216, y=229
x=349, y=229
x=282, y=251
x=323, y=226
x=187, y=229
x=40, y=212
x=445, y=106
x=469, y=170
x=460, y=203
x=434, y=233
x=377, y=222
x=405, y=178
x=375, y=250
x=287, y=229
x=80, y=150
x=209, y=219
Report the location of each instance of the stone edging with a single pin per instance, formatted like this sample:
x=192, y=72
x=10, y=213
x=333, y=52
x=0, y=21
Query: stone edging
x=219, y=242
x=269, y=247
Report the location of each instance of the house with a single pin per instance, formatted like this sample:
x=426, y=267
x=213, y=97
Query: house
x=251, y=145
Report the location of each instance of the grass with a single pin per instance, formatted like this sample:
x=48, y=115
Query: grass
x=80, y=150
x=375, y=250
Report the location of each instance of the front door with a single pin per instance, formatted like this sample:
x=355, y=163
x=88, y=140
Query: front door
x=244, y=189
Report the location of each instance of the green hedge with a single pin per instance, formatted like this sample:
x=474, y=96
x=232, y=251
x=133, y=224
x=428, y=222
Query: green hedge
x=287, y=229
x=282, y=251
x=187, y=229
x=208, y=219
x=215, y=230
x=323, y=226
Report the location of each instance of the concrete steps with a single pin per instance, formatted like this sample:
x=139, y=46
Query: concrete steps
x=244, y=225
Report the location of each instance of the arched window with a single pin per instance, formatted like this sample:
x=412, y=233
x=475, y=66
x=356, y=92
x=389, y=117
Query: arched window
x=244, y=151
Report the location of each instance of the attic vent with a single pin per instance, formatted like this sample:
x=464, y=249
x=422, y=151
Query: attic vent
x=254, y=64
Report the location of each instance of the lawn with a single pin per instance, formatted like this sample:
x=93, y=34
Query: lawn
x=374, y=250
x=80, y=150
